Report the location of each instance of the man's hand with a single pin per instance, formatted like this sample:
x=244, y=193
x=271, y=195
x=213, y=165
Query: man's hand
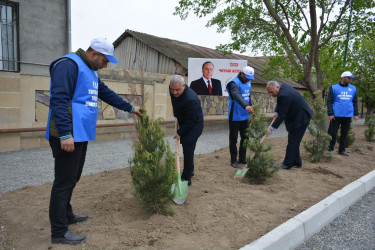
x=331, y=117
x=136, y=111
x=67, y=144
x=269, y=132
x=176, y=136
x=355, y=118
x=249, y=109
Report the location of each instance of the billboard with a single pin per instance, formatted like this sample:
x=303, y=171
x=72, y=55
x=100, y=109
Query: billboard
x=218, y=71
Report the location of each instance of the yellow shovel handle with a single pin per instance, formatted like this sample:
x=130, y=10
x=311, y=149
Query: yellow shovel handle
x=264, y=136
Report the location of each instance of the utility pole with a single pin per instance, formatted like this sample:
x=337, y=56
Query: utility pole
x=347, y=35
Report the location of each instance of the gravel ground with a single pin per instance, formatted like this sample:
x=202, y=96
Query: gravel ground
x=33, y=167
x=354, y=229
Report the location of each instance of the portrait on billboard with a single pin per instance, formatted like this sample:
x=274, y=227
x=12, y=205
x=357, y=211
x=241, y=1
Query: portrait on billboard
x=209, y=76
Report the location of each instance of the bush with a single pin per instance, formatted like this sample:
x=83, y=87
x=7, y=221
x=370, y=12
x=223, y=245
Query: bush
x=320, y=142
x=370, y=131
x=153, y=167
x=260, y=162
x=350, y=139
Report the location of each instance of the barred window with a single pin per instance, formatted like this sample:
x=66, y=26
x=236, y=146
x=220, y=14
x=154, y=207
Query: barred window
x=9, y=51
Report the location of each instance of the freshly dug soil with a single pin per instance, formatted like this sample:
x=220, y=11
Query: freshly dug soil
x=220, y=213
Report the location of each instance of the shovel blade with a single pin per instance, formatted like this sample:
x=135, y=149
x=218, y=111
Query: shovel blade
x=180, y=190
x=241, y=173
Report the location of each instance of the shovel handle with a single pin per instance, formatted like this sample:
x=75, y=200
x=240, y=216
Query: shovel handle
x=177, y=150
x=264, y=136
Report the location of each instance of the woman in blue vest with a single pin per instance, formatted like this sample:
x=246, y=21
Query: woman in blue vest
x=239, y=108
x=342, y=105
x=75, y=89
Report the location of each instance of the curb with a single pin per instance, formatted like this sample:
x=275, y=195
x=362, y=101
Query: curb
x=300, y=228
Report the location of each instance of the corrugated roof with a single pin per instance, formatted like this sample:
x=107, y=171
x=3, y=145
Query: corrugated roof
x=181, y=51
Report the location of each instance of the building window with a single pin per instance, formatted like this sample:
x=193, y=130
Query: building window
x=9, y=52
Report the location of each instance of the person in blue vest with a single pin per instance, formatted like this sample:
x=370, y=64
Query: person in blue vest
x=342, y=105
x=293, y=109
x=74, y=91
x=188, y=112
x=239, y=110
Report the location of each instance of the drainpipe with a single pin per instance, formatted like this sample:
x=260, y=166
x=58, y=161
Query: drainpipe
x=68, y=25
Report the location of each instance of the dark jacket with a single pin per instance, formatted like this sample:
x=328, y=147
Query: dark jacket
x=200, y=87
x=291, y=108
x=188, y=111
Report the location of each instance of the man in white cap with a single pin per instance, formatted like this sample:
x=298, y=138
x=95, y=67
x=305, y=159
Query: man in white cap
x=239, y=110
x=75, y=88
x=342, y=105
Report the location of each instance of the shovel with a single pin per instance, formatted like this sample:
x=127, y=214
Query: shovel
x=241, y=172
x=180, y=189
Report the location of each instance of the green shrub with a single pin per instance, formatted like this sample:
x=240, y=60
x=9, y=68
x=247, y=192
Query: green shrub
x=350, y=139
x=318, y=145
x=370, y=131
x=152, y=167
x=260, y=162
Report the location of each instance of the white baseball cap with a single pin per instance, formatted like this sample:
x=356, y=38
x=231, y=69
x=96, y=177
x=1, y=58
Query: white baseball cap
x=248, y=72
x=103, y=46
x=347, y=74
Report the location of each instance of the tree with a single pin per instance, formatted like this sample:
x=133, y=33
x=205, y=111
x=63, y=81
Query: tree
x=350, y=138
x=364, y=64
x=318, y=145
x=303, y=31
x=370, y=131
x=152, y=167
x=260, y=162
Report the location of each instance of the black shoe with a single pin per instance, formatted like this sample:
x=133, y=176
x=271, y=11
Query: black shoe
x=298, y=165
x=69, y=238
x=343, y=153
x=243, y=162
x=282, y=166
x=189, y=181
x=77, y=218
x=235, y=164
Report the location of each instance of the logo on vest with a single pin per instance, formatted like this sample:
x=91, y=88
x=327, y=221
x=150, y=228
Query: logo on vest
x=344, y=95
x=95, y=85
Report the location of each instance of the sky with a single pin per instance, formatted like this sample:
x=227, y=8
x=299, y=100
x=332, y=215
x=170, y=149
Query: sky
x=97, y=18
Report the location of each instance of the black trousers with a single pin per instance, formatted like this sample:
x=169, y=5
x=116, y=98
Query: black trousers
x=234, y=128
x=333, y=128
x=188, y=148
x=292, y=154
x=68, y=170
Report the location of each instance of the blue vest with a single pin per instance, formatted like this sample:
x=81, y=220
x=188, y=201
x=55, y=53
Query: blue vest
x=84, y=102
x=343, y=100
x=239, y=113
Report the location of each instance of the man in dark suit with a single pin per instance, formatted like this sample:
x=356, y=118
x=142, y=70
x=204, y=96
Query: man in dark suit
x=291, y=108
x=188, y=111
x=206, y=85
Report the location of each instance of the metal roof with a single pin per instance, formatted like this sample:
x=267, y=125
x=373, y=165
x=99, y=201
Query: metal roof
x=181, y=51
